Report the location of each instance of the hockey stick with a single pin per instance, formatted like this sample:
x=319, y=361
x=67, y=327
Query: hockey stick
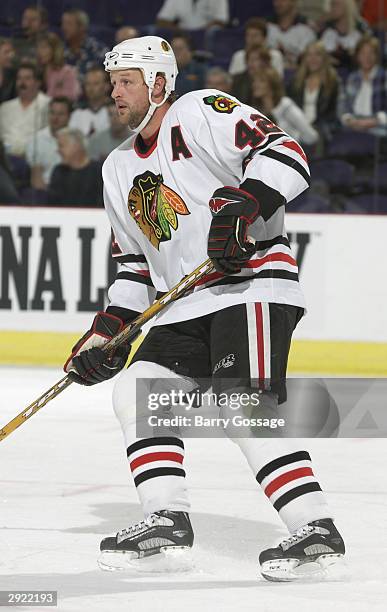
x=129, y=333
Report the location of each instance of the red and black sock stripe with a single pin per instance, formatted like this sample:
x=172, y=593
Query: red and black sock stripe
x=155, y=457
x=287, y=478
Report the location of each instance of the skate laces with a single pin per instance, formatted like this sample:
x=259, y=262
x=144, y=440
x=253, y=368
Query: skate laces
x=298, y=536
x=140, y=526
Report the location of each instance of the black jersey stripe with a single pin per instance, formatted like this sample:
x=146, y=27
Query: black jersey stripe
x=309, y=487
x=163, y=441
x=156, y=472
x=288, y=161
x=257, y=150
x=236, y=280
x=137, y=278
x=262, y=245
x=280, y=462
x=130, y=258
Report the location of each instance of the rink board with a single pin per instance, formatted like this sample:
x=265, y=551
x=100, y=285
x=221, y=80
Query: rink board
x=55, y=269
x=315, y=357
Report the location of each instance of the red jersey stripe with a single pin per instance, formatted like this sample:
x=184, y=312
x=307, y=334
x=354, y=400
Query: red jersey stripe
x=253, y=263
x=150, y=457
x=294, y=146
x=282, y=480
x=256, y=263
x=260, y=341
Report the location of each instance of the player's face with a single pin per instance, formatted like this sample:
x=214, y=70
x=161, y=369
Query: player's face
x=130, y=95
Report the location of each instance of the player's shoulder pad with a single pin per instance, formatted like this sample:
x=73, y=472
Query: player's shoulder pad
x=206, y=100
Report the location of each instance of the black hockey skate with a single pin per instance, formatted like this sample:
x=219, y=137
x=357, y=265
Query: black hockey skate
x=158, y=543
x=311, y=552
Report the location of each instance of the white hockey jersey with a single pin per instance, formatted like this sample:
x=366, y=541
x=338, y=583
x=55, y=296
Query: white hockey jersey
x=157, y=193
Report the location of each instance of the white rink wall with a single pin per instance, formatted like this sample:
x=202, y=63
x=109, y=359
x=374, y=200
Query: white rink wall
x=55, y=267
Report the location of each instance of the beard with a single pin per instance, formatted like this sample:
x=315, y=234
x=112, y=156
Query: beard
x=133, y=117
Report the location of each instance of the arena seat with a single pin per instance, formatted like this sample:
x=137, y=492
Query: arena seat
x=338, y=174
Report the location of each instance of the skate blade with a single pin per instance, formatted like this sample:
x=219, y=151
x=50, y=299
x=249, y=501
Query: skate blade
x=169, y=559
x=326, y=567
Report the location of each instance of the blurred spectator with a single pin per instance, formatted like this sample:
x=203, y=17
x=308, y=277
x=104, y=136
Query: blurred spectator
x=288, y=31
x=217, y=78
x=193, y=14
x=81, y=50
x=34, y=22
x=269, y=99
x=93, y=117
x=42, y=148
x=102, y=143
x=59, y=79
x=315, y=89
x=125, y=32
x=364, y=101
x=23, y=116
x=375, y=13
x=257, y=59
x=343, y=31
x=255, y=34
x=7, y=70
x=8, y=191
x=77, y=181
x=191, y=72
x=313, y=10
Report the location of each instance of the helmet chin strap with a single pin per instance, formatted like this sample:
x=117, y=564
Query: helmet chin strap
x=151, y=110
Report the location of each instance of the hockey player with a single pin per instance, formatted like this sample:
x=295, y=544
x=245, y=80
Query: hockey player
x=203, y=174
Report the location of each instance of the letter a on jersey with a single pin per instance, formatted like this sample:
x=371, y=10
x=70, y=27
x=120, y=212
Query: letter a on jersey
x=154, y=207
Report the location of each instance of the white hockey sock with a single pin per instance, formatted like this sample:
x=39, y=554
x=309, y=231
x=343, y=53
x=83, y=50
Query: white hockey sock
x=287, y=479
x=156, y=463
x=157, y=469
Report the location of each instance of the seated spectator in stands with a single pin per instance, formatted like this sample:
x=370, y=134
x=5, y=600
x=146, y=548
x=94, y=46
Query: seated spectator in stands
x=191, y=72
x=34, y=22
x=77, y=181
x=7, y=70
x=288, y=31
x=364, y=100
x=125, y=32
x=59, y=79
x=189, y=15
x=93, y=115
x=81, y=50
x=217, y=78
x=374, y=12
x=269, y=99
x=255, y=35
x=315, y=89
x=8, y=191
x=343, y=31
x=314, y=11
x=102, y=143
x=42, y=149
x=21, y=117
x=257, y=59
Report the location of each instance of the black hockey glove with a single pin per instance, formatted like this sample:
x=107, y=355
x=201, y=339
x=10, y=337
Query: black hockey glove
x=88, y=364
x=233, y=210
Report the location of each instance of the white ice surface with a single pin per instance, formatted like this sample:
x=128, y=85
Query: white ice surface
x=65, y=485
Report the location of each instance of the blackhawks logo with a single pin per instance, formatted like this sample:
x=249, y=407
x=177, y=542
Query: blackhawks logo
x=155, y=207
x=221, y=104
